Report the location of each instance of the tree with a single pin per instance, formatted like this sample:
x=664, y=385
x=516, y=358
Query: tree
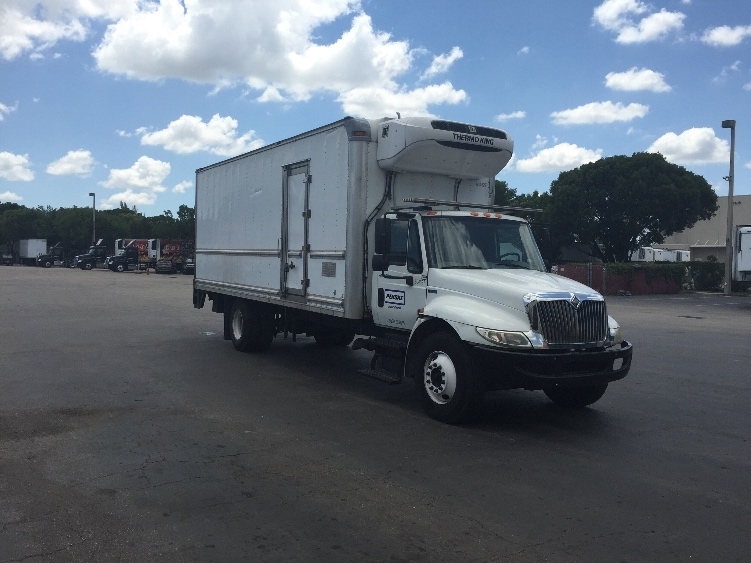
x=20, y=223
x=620, y=203
x=503, y=194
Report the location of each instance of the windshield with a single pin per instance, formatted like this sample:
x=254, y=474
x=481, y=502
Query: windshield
x=480, y=243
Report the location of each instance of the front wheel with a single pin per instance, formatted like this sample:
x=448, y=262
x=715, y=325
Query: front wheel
x=250, y=327
x=576, y=397
x=450, y=389
x=120, y=267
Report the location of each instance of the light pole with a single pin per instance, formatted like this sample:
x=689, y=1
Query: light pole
x=730, y=124
x=93, y=218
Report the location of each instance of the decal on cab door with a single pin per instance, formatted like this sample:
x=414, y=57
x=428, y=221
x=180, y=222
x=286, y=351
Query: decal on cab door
x=394, y=298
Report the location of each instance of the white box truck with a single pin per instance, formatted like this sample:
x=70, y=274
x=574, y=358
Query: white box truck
x=385, y=229
x=29, y=249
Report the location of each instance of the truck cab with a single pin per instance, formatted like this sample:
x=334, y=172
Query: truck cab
x=94, y=258
x=466, y=298
x=55, y=256
x=128, y=258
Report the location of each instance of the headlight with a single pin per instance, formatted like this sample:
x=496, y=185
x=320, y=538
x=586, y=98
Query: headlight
x=616, y=336
x=504, y=338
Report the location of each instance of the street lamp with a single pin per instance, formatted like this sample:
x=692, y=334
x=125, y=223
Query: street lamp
x=93, y=218
x=730, y=124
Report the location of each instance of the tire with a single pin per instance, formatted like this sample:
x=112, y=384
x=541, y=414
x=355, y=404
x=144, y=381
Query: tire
x=576, y=397
x=120, y=267
x=330, y=338
x=88, y=266
x=250, y=327
x=449, y=387
x=47, y=264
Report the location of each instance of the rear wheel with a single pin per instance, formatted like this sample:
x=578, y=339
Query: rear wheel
x=251, y=327
x=576, y=397
x=449, y=387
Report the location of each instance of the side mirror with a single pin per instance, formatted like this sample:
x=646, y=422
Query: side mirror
x=380, y=262
x=382, y=236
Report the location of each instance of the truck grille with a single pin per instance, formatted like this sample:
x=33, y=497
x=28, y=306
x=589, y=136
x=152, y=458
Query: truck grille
x=569, y=321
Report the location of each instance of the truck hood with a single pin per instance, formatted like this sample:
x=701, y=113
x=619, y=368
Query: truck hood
x=506, y=287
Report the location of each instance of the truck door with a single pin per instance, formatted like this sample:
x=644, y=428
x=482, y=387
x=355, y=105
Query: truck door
x=395, y=300
x=295, y=216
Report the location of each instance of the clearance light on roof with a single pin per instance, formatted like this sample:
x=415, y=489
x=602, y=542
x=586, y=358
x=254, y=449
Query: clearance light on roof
x=431, y=213
x=474, y=213
x=359, y=133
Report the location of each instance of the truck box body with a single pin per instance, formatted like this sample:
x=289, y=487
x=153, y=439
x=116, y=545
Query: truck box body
x=31, y=248
x=285, y=222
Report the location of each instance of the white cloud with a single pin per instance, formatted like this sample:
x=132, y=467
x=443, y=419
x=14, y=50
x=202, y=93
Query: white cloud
x=141, y=182
x=559, y=158
x=78, y=162
x=726, y=36
x=129, y=197
x=523, y=51
x=383, y=102
x=274, y=51
x=34, y=27
x=748, y=164
x=5, y=110
x=599, y=112
x=618, y=16
x=747, y=86
x=182, y=187
x=189, y=134
x=694, y=146
x=726, y=71
x=15, y=167
x=512, y=115
x=271, y=47
x=636, y=79
x=10, y=196
x=442, y=63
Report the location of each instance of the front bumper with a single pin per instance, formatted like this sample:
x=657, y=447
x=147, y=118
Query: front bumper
x=543, y=369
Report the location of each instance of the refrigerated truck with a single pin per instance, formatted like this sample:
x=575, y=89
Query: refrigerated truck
x=385, y=229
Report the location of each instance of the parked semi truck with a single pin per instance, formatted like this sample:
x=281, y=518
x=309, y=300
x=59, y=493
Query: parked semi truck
x=54, y=256
x=96, y=257
x=128, y=257
x=385, y=229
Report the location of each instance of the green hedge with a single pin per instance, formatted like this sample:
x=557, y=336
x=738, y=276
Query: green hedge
x=705, y=276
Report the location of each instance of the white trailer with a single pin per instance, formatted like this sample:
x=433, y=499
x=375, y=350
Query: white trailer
x=643, y=254
x=742, y=262
x=385, y=229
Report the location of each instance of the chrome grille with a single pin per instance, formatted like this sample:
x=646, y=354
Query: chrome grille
x=561, y=322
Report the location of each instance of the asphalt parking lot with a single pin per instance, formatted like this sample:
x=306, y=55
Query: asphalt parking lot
x=131, y=431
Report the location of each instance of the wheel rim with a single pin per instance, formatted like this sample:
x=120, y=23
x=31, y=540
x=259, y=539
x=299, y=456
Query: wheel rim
x=237, y=325
x=439, y=377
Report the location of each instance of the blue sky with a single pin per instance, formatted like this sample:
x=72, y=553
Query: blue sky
x=126, y=98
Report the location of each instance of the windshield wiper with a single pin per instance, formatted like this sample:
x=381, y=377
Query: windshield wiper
x=513, y=265
x=467, y=267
